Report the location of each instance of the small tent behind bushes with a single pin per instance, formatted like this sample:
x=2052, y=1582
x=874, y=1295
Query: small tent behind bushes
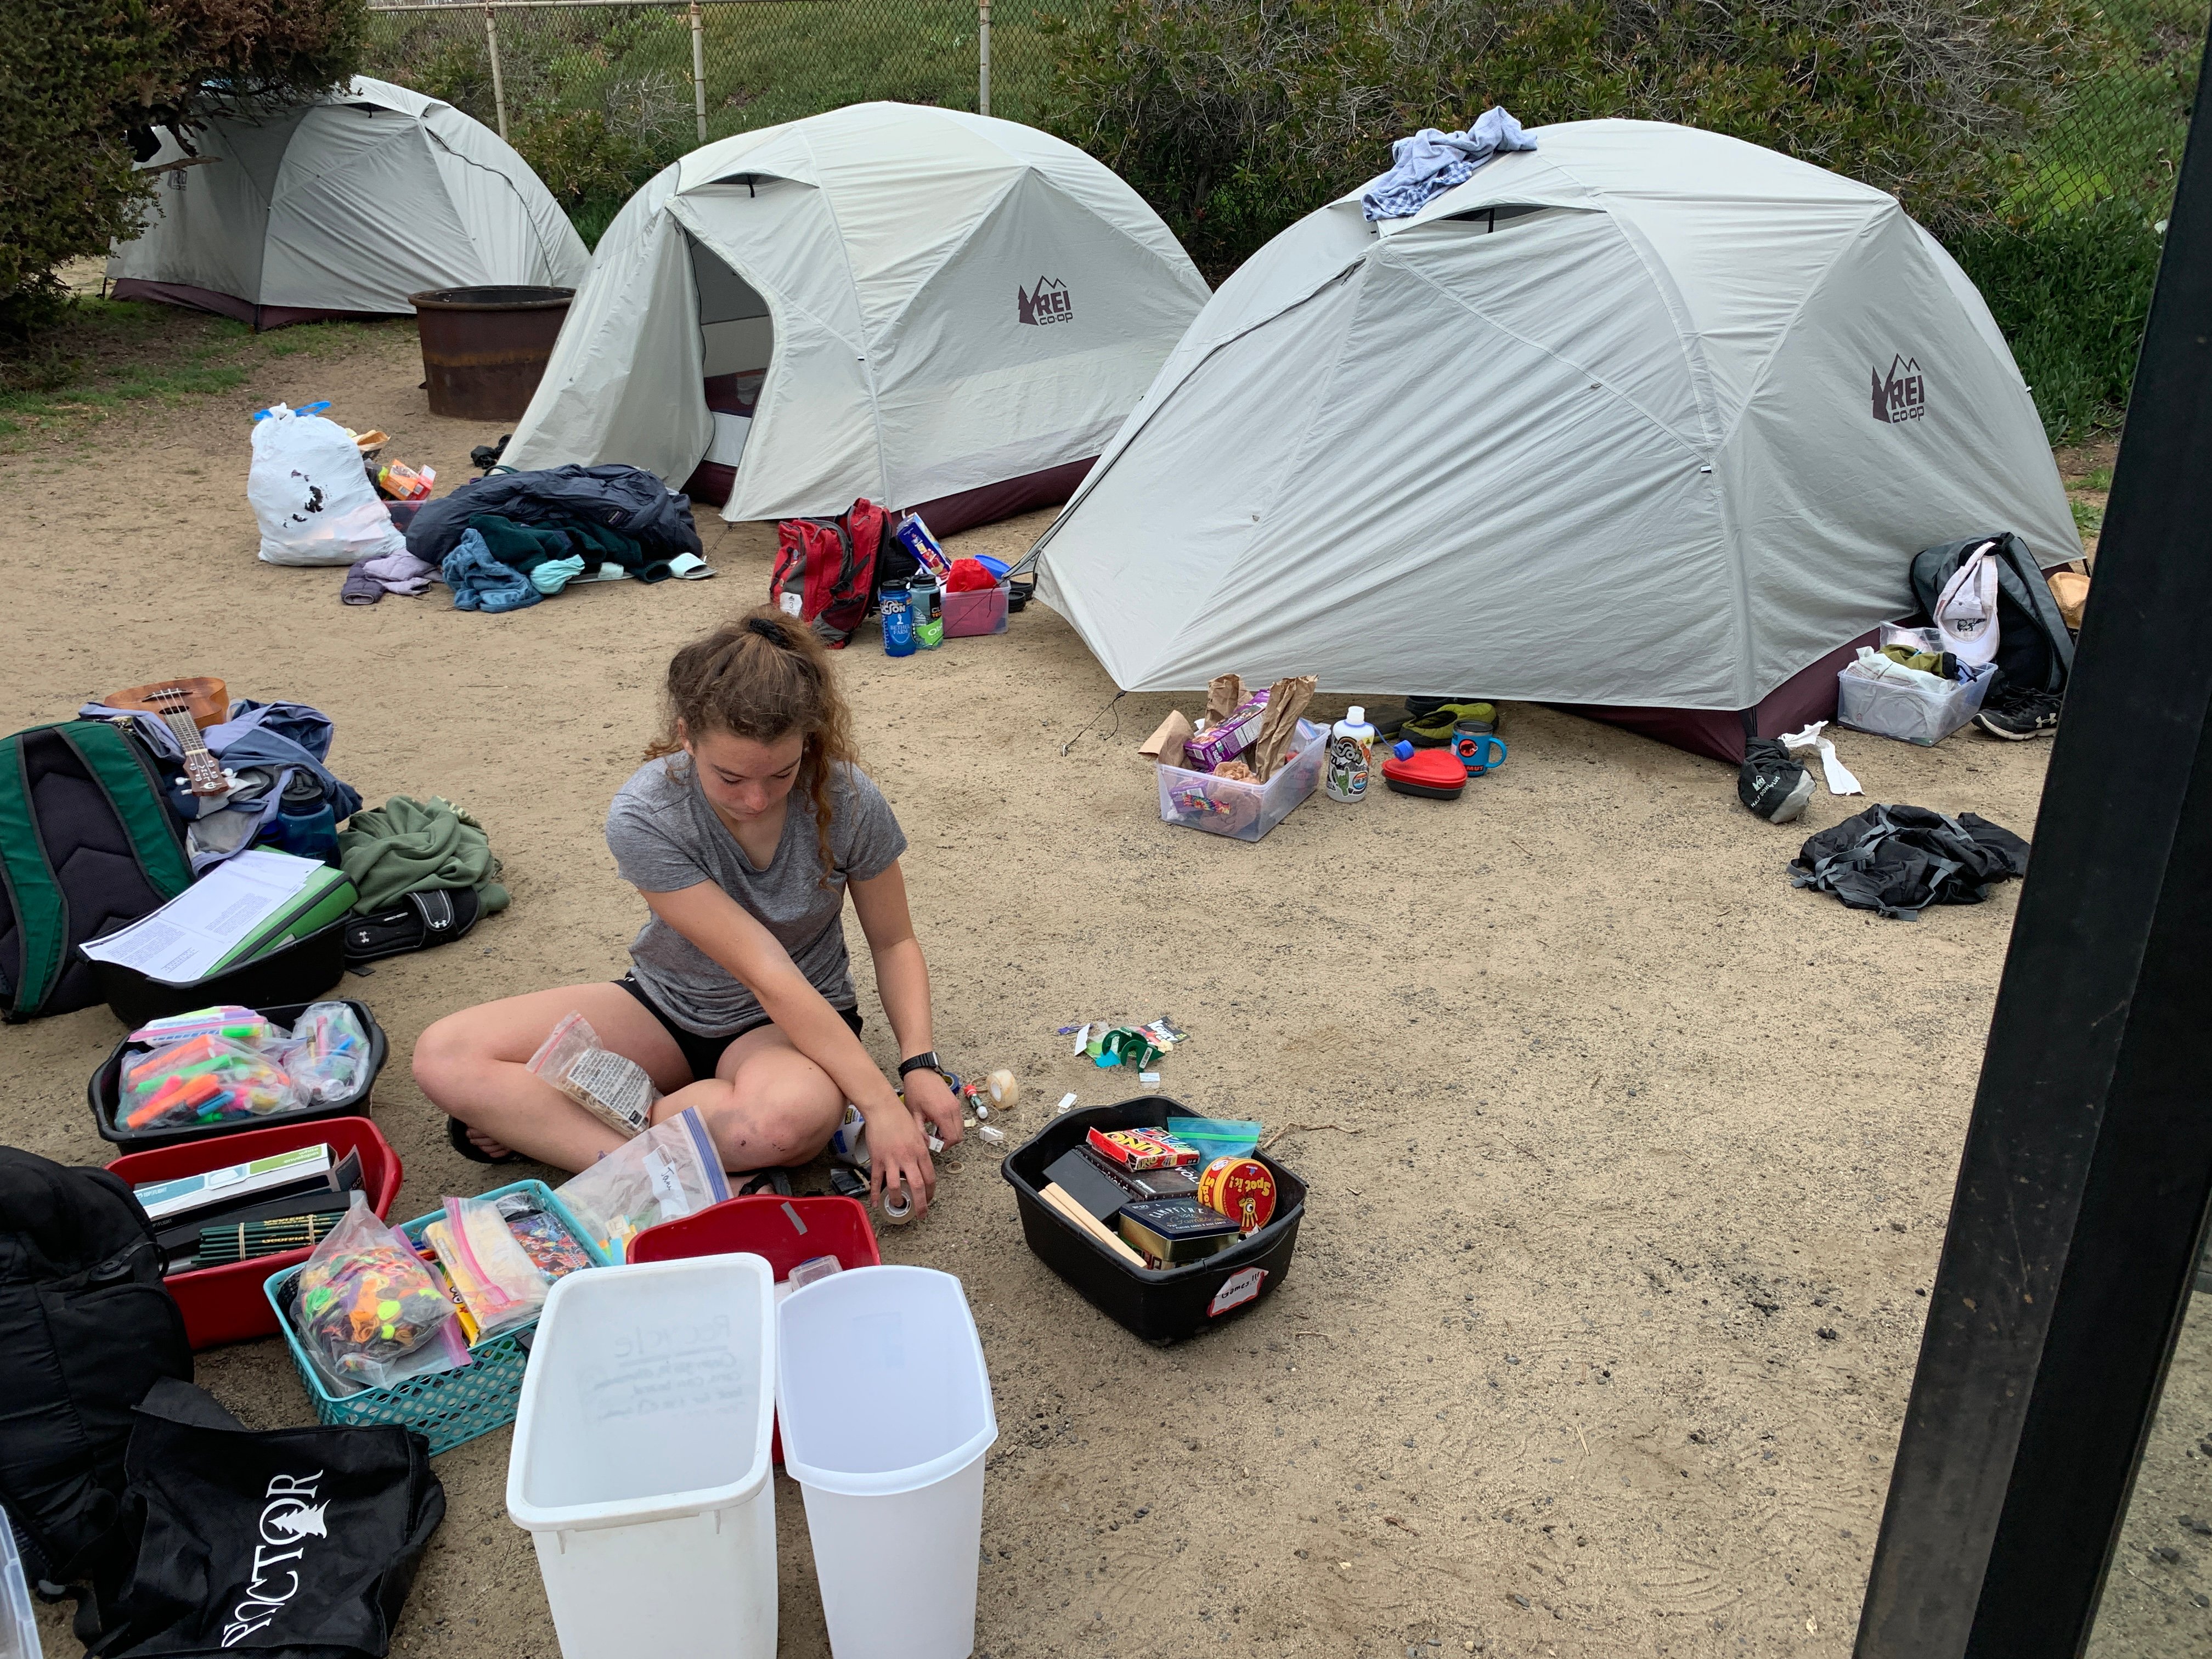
x=343, y=207
x=929, y=309
x=1646, y=418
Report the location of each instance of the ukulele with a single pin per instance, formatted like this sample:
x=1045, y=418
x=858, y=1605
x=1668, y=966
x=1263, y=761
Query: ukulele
x=186, y=707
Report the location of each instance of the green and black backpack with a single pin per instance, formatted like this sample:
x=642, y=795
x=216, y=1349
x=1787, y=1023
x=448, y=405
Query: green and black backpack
x=87, y=843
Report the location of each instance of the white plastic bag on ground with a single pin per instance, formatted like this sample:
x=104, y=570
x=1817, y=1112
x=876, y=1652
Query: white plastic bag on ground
x=311, y=495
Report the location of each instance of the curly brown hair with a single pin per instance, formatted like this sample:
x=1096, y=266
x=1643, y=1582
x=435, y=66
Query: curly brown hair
x=764, y=676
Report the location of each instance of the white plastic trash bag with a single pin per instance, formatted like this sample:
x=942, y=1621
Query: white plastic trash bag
x=311, y=494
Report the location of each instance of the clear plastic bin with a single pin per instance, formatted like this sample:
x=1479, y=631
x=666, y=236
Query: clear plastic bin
x=640, y=1464
x=981, y=611
x=19, y=1625
x=887, y=1414
x=1245, y=811
x=1904, y=705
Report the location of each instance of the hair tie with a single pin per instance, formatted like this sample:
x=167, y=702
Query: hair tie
x=771, y=631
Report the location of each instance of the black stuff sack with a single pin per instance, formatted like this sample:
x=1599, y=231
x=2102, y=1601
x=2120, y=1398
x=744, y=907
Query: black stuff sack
x=297, y=1543
x=86, y=1329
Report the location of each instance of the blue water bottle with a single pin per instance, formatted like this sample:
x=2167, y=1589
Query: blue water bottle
x=899, y=622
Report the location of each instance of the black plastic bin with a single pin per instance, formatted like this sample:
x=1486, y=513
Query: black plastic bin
x=1163, y=1305
x=105, y=1089
x=305, y=969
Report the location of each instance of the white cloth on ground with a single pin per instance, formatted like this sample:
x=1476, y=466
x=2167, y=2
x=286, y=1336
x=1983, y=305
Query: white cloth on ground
x=1834, y=772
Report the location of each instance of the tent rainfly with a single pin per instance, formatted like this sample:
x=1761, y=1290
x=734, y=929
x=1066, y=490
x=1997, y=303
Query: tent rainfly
x=926, y=307
x=1645, y=420
x=342, y=207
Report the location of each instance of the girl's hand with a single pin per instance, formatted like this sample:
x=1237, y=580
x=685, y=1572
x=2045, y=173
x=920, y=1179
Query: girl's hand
x=929, y=1096
x=897, y=1152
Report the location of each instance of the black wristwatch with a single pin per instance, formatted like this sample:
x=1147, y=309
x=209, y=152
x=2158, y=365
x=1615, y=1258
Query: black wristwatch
x=923, y=1061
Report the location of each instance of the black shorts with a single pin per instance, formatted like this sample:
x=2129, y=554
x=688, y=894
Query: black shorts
x=704, y=1054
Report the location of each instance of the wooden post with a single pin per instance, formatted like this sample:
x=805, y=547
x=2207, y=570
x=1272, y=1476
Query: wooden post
x=983, y=36
x=699, y=69
x=498, y=81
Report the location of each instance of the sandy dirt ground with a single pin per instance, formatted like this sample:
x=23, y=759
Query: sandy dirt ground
x=1606, y=1306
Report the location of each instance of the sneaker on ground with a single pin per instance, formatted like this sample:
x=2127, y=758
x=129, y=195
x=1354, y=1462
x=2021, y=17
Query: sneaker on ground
x=2016, y=716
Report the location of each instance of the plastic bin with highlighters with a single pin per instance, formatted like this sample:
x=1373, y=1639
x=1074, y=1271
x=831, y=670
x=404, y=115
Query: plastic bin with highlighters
x=1244, y=811
x=887, y=1415
x=640, y=1464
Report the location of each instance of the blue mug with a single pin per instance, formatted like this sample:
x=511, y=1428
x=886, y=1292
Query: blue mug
x=1478, y=752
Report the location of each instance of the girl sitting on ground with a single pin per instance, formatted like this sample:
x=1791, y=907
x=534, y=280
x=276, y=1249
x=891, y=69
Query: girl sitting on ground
x=744, y=831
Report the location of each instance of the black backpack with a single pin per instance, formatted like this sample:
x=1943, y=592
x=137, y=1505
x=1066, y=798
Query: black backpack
x=2035, y=652
x=86, y=1328
x=87, y=844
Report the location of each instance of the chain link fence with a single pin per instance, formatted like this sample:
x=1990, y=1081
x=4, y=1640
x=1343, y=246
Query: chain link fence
x=2121, y=134
x=662, y=73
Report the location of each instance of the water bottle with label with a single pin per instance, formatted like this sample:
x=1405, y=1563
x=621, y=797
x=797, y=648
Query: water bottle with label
x=899, y=622
x=926, y=598
x=1351, y=744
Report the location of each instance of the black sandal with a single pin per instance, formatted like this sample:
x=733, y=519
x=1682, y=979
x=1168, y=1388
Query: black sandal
x=777, y=1182
x=457, y=1133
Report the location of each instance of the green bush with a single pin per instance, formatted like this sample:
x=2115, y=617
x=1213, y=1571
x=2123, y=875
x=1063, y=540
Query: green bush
x=2071, y=293
x=1236, y=116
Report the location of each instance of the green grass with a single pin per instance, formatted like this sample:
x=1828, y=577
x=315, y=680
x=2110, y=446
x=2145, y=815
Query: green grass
x=106, y=355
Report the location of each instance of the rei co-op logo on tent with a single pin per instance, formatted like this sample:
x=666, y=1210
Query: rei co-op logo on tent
x=1047, y=302
x=1904, y=395
x=288, y=1520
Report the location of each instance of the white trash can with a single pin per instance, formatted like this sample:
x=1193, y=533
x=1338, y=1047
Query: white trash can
x=640, y=1466
x=887, y=1409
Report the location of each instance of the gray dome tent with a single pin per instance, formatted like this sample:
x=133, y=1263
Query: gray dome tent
x=344, y=207
x=1646, y=420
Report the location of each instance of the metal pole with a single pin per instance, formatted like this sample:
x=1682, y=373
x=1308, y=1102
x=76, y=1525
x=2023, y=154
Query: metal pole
x=498, y=83
x=699, y=69
x=983, y=34
x=2076, y=1221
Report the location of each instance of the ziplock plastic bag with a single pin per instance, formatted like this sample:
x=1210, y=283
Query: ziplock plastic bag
x=203, y=1080
x=671, y=1170
x=492, y=1273
x=311, y=495
x=612, y=1087
x=551, y=1247
x=370, y=1309
x=329, y=1050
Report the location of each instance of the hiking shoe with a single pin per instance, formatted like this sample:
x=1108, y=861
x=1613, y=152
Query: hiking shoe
x=1773, y=784
x=2016, y=716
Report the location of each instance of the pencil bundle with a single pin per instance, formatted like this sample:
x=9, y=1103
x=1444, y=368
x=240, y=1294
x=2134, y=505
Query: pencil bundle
x=245, y=1240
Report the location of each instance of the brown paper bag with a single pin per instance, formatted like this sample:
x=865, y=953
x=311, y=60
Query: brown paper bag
x=1165, y=744
x=1278, y=726
x=1222, y=696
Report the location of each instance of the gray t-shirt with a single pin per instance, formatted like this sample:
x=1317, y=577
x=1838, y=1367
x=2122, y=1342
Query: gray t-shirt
x=665, y=837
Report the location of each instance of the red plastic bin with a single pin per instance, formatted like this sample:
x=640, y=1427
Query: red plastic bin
x=226, y=1303
x=785, y=1230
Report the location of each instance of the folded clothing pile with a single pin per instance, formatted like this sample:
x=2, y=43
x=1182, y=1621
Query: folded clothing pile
x=425, y=873
x=520, y=536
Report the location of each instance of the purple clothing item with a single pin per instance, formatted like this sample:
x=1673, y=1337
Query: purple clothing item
x=360, y=587
x=399, y=573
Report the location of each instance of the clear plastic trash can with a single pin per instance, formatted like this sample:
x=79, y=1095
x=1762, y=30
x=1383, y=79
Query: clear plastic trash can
x=887, y=1409
x=19, y=1627
x=640, y=1466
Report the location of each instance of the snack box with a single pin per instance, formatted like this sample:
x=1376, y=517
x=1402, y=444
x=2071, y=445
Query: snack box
x=1159, y=1305
x=1137, y=1149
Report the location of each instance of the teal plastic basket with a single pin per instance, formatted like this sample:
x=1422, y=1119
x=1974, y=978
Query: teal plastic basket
x=446, y=1407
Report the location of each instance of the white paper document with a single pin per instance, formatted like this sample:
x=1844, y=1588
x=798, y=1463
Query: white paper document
x=183, y=940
